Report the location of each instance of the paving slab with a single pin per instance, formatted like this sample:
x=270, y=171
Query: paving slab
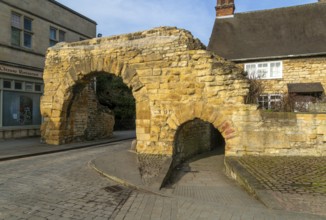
x=199, y=189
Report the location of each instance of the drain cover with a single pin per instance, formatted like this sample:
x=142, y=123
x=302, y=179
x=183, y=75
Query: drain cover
x=115, y=188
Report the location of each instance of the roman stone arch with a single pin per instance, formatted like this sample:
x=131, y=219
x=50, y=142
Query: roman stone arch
x=172, y=77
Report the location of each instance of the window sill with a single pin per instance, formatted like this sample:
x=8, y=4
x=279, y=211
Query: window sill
x=279, y=78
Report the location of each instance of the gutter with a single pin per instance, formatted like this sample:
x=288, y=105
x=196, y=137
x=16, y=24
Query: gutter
x=279, y=57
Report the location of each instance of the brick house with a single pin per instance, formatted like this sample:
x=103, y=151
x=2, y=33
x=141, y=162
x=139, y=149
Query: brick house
x=283, y=47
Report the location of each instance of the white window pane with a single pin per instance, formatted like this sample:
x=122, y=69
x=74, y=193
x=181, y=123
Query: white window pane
x=262, y=70
x=261, y=74
x=53, y=34
x=275, y=70
x=262, y=65
x=27, y=24
x=251, y=70
x=15, y=36
x=27, y=40
x=61, y=36
x=15, y=20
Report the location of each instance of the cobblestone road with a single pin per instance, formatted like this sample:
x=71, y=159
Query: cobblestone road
x=62, y=186
x=57, y=186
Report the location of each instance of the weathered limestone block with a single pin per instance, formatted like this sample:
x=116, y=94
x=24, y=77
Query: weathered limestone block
x=321, y=130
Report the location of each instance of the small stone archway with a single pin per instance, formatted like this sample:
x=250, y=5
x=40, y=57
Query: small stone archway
x=172, y=77
x=196, y=137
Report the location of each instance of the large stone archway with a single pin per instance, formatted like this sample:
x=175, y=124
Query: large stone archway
x=172, y=77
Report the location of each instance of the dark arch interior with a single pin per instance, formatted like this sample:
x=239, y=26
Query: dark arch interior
x=196, y=137
x=112, y=92
x=98, y=101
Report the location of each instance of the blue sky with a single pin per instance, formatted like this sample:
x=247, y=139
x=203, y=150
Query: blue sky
x=125, y=16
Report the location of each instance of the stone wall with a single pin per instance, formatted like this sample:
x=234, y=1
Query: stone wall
x=87, y=118
x=174, y=80
x=317, y=107
x=280, y=134
x=172, y=77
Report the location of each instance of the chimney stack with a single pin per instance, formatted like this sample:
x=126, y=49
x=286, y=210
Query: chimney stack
x=225, y=8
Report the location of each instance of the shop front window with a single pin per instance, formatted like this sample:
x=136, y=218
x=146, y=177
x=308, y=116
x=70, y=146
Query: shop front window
x=21, y=109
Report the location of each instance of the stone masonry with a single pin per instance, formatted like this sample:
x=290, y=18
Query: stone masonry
x=174, y=80
x=88, y=119
x=172, y=77
x=281, y=133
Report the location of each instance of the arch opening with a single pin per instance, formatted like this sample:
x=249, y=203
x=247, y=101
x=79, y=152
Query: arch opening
x=196, y=137
x=93, y=105
x=112, y=92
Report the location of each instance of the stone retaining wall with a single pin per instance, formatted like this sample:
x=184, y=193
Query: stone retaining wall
x=317, y=107
x=282, y=134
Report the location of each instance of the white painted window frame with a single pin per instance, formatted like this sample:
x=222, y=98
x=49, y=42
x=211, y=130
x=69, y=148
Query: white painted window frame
x=268, y=75
x=270, y=100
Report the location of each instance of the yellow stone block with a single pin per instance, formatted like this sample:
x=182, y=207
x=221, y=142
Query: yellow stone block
x=56, y=113
x=143, y=137
x=172, y=123
x=198, y=108
x=321, y=129
x=297, y=137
